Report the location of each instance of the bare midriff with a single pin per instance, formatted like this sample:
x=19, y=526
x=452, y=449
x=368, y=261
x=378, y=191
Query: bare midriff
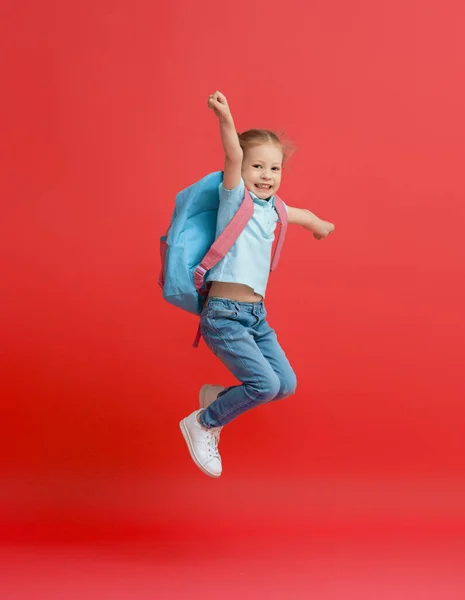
x=233, y=291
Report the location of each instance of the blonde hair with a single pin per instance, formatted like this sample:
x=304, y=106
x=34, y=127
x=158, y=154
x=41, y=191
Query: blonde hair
x=257, y=137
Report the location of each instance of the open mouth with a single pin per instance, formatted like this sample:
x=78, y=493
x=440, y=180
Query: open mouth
x=263, y=186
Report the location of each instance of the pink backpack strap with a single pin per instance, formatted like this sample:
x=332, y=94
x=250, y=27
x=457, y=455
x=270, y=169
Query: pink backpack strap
x=163, y=251
x=198, y=335
x=222, y=245
x=282, y=215
x=226, y=240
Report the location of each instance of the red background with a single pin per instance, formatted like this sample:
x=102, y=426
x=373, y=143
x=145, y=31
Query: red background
x=104, y=119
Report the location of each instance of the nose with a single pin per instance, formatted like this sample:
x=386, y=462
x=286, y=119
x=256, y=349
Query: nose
x=266, y=176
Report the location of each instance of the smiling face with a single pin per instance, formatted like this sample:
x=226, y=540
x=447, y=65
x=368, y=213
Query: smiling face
x=261, y=169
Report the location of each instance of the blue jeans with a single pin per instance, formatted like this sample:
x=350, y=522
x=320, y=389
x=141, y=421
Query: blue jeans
x=239, y=335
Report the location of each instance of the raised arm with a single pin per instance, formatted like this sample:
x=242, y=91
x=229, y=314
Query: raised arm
x=301, y=216
x=232, y=150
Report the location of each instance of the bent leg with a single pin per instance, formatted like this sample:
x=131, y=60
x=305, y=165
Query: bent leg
x=232, y=342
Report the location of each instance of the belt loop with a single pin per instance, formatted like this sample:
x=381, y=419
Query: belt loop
x=256, y=312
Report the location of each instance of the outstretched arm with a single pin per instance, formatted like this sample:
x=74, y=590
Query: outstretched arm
x=232, y=150
x=301, y=216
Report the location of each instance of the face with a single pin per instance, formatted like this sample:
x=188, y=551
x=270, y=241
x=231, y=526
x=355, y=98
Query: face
x=261, y=169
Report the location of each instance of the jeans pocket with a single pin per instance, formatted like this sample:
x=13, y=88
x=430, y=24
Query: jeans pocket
x=219, y=313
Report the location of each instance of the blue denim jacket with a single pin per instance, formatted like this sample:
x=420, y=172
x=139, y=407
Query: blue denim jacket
x=248, y=261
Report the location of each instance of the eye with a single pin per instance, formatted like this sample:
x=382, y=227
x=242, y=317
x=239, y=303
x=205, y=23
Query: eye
x=276, y=169
x=257, y=166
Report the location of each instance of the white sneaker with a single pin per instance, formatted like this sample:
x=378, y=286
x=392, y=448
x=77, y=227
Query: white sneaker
x=202, y=444
x=208, y=394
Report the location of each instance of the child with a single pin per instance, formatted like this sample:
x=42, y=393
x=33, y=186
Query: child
x=233, y=322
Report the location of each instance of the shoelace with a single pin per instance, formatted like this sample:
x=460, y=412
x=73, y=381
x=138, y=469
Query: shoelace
x=213, y=441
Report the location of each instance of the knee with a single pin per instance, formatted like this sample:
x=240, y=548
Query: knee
x=287, y=387
x=266, y=389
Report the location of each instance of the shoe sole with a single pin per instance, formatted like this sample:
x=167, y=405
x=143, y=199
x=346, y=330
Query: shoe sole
x=187, y=437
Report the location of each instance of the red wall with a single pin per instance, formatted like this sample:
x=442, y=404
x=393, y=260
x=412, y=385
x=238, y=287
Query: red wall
x=105, y=118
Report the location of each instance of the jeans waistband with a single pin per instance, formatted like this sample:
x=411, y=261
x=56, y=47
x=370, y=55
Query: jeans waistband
x=228, y=304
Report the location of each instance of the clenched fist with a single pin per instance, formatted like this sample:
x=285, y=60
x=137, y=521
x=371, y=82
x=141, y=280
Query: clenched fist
x=219, y=105
x=322, y=230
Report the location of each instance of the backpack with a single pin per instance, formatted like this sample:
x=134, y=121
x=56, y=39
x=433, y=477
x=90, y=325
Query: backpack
x=189, y=249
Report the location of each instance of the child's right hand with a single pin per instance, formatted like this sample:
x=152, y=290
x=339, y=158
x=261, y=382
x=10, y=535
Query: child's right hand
x=219, y=105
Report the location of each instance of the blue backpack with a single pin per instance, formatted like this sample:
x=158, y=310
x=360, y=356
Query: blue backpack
x=189, y=248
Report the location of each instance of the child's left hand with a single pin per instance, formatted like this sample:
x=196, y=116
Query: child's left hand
x=302, y=216
x=322, y=229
